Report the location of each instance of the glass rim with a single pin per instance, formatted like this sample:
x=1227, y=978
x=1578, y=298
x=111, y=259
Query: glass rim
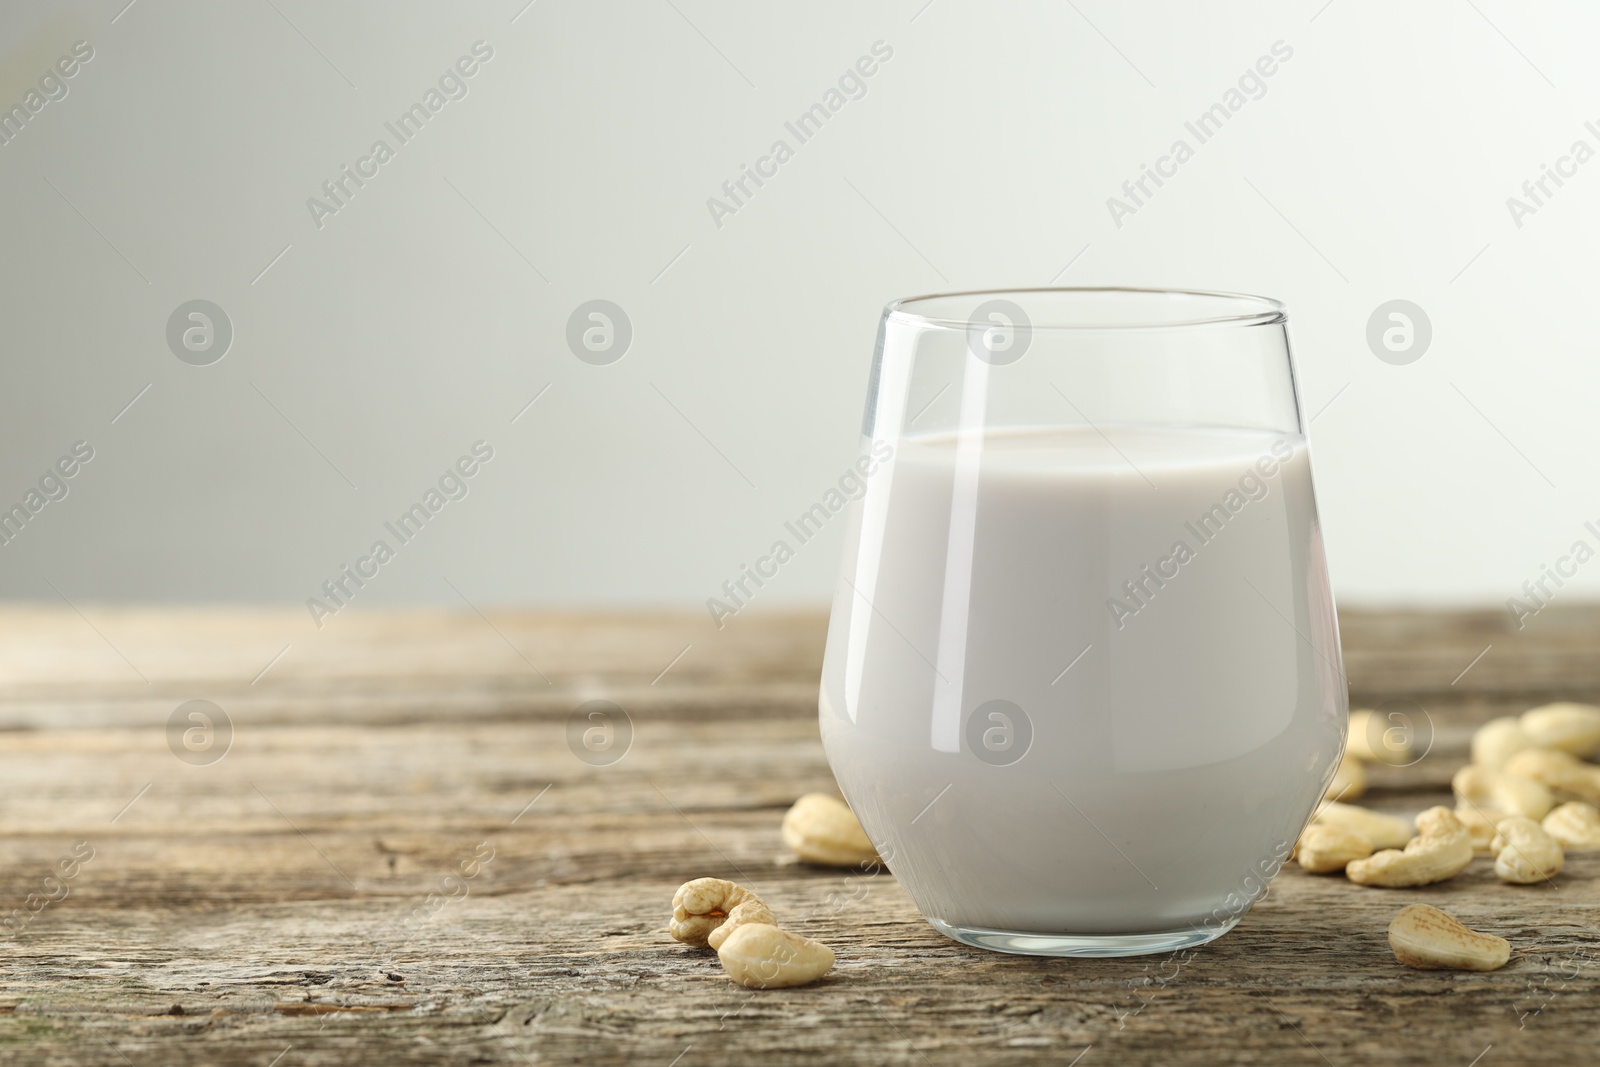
x=1244, y=309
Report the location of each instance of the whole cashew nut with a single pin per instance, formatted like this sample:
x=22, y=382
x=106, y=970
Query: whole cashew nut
x=823, y=830
x=761, y=956
x=751, y=911
x=1349, y=780
x=1560, y=772
x=1442, y=849
x=1501, y=793
x=1524, y=853
x=1327, y=849
x=1480, y=825
x=706, y=910
x=1424, y=937
x=1575, y=825
x=1389, y=746
x=1573, y=728
x=1497, y=741
x=1384, y=831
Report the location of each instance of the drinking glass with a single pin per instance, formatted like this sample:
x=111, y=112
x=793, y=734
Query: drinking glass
x=1083, y=684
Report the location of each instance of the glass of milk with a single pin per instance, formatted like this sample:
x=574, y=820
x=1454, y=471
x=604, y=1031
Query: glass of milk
x=1083, y=684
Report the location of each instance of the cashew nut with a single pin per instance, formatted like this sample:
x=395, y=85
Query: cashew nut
x=751, y=911
x=761, y=956
x=1524, y=853
x=1480, y=825
x=1326, y=849
x=1568, y=727
x=1497, y=741
x=1384, y=831
x=705, y=910
x=1349, y=780
x=1559, y=771
x=1424, y=937
x=1576, y=825
x=1392, y=746
x=1442, y=849
x=1500, y=793
x=823, y=830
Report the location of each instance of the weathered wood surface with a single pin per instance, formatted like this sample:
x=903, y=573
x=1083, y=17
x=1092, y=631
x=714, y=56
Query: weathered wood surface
x=253, y=911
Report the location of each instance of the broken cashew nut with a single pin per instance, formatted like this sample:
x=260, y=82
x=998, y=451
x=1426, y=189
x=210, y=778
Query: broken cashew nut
x=1390, y=745
x=1558, y=771
x=1497, y=741
x=1327, y=849
x=1524, y=853
x=761, y=956
x=1424, y=937
x=1442, y=849
x=1500, y=793
x=1384, y=831
x=706, y=910
x=1568, y=727
x=823, y=830
x=1349, y=780
x=1575, y=825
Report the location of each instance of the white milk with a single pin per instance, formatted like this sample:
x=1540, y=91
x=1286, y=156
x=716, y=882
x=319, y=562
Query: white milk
x=1174, y=762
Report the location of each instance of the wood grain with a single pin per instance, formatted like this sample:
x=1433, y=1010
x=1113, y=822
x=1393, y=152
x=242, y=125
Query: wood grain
x=255, y=910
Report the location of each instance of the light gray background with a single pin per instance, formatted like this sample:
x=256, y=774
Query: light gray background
x=416, y=321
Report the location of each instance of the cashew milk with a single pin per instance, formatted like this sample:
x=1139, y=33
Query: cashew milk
x=1089, y=684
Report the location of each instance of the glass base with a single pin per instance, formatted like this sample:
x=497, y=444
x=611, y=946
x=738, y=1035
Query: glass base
x=1027, y=943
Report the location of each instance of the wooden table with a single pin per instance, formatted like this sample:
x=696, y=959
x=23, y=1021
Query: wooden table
x=306, y=899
